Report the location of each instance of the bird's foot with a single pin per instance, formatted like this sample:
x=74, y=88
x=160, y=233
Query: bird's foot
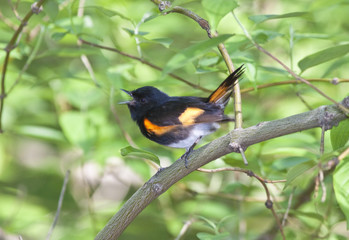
x=189, y=151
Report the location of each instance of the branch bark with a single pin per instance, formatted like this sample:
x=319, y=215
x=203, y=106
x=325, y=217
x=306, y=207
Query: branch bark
x=36, y=8
x=327, y=116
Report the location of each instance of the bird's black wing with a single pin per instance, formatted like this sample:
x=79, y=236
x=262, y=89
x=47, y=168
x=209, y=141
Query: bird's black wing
x=185, y=111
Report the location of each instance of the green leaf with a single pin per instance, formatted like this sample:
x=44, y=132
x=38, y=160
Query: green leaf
x=201, y=70
x=312, y=215
x=52, y=9
x=323, y=56
x=180, y=2
x=193, y=52
x=261, y=18
x=275, y=70
x=341, y=186
x=148, y=17
x=131, y=151
x=166, y=42
x=207, y=64
x=108, y=12
x=41, y=132
x=237, y=186
x=209, y=222
x=299, y=36
x=340, y=134
x=262, y=36
x=297, y=171
x=207, y=236
x=78, y=129
x=58, y=35
x=338, y=64
x=133, y=33
x=208, y=61
x=217, y=9
x=288, y=162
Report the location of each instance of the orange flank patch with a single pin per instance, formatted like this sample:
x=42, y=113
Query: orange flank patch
x=186, y=118
x=155, y=129
x=218, y=94
x=189, y=115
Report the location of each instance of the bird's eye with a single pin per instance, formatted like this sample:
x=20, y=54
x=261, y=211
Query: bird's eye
x=143, y=100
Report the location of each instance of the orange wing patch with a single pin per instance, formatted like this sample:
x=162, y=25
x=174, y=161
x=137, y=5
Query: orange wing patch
x=189, y=115
x=186, y=118
x=155, y=129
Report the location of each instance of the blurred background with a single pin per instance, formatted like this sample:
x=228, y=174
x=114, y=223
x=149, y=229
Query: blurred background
x=61, y=114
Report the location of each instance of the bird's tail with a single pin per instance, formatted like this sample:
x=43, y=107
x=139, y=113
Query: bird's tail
x=222, y=94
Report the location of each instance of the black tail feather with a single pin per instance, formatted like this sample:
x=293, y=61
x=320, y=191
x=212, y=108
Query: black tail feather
x=222, y=94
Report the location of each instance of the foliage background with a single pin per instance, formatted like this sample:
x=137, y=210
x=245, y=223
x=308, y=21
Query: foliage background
x=58, y=116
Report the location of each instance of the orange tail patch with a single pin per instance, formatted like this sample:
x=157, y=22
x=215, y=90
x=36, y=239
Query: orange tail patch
x=223, y=92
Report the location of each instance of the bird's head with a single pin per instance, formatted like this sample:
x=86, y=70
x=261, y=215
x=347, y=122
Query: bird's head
x=144, y=99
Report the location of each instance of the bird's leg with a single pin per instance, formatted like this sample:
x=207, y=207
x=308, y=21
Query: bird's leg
x=189, y=150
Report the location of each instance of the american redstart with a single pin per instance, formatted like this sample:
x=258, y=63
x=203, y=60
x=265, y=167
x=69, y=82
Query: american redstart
x=180, y=122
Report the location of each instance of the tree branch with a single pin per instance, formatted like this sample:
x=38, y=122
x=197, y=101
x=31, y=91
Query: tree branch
x=35, y=9
x=328, y=116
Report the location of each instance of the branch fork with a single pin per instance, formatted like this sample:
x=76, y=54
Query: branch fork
x=36, y=9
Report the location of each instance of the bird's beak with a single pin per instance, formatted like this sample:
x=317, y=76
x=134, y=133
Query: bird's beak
x=129, y=93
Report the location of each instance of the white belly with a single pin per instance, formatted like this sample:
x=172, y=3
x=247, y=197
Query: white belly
x=199, y=130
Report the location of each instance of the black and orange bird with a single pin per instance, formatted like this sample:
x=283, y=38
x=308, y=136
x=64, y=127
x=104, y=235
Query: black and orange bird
x=180, y=122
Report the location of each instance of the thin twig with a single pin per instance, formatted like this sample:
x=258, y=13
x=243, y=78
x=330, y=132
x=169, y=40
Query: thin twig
x=29, y=60
x=35, y=9
x=289, y=204
x=185, y=228
x=59, y=207
x=278, y=223
x=89, y=190
x=303, y=101
x=323, y=186
x=260, y=48
x=83, y=57
x=322, y=141
x=14, y=10
x=267, y=85
x=268, y=203
x=242, y=152
x=244, y=198
x=144, y=62
x=8, y=22
x=235, y=169
x=343, y=154
x=202, y=22
x=320, y=176
x=237, y=91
